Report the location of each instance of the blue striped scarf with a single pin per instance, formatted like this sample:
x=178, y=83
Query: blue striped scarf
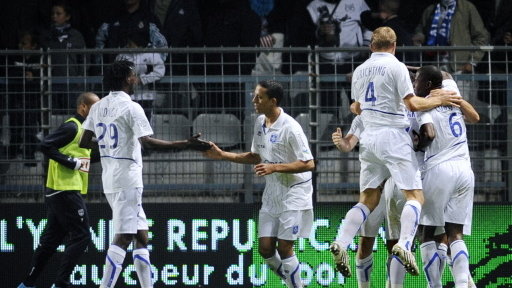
x=262, y=7
x=439, y=32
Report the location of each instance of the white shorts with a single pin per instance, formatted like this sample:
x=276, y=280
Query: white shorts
x=370, y=227
x=288, y=225
x=395, y=201
x=448, y=191
x=127, y=213
x=384, y=153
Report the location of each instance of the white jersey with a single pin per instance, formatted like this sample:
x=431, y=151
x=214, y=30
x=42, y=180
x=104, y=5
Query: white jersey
x=451, y=141
x=283, y=142
x=118, y=123
x=357, y=127
x=379, y=85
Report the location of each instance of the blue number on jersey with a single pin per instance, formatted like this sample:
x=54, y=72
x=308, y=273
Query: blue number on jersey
x=369, y=96
x=112, y=132
x=455, y=124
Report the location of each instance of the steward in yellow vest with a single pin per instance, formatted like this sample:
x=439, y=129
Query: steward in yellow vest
x=67, y=214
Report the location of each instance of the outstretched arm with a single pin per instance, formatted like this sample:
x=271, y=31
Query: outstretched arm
x=243, y=158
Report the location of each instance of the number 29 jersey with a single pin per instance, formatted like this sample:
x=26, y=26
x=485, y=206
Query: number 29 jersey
x=118, y=123
x=379, y=85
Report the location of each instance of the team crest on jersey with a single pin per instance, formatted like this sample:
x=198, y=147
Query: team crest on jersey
x=295, y=229
x=81, y=212
x=273, y=138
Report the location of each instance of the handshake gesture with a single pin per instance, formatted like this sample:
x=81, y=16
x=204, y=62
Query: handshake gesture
x=194, y=143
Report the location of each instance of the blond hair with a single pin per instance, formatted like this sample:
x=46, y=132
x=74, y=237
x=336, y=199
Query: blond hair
x=383, y=38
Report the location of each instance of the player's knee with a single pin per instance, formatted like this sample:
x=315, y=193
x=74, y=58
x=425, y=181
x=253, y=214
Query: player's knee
x=266, y=252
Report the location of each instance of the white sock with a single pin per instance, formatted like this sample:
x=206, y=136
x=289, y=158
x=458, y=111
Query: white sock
x=364, y=269
x=113, y=266
x=460, y=263
x=409, y=223
x=291, y=270
x=431, y=263
x=442, y=250
x=396, y=272
x=353, y=221
x=275, y=264
x=143, y=267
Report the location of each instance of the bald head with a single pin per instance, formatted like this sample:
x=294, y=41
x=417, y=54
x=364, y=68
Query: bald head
x=84, y=103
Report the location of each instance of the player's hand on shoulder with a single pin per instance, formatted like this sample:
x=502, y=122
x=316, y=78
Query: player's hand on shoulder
x=448, y=98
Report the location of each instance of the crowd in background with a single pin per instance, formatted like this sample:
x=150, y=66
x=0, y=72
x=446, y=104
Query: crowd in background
x=73, y=24
x=231, y=23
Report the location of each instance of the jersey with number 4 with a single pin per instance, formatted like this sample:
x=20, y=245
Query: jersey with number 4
x=379, y=85
x=118, y=123
x=450, y=142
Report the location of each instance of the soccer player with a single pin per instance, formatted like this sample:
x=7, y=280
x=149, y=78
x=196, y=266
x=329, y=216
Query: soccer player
x=369, y=229
x=448, y=181
x=280, y=152
x=381, y=89
x=67, y=214
x=120, y=127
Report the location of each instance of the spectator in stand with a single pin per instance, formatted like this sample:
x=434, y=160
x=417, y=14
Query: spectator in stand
x=62, y=36
x=228, y=23
x=149, y=68
x=24, y=98
x=455, y=23
x=338, y=24
x=181, y=27
x=272, y=14
x=387, y=15
x=136, y=18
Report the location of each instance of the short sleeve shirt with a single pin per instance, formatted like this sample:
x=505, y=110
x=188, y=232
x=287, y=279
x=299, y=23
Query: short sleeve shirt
x=379, y=85
x=118, y=123
x=283, y=142
x=451, y=141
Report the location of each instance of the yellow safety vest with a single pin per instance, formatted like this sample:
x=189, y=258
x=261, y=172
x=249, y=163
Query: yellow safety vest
x=62, y=178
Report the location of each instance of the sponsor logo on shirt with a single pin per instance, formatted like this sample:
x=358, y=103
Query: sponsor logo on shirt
x=273, y=138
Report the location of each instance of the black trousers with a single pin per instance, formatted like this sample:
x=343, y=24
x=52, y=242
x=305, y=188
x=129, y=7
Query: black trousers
x=68, y=219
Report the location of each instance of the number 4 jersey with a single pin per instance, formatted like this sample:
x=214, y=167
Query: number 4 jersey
x=118, y=123
x=451, y=142
x=379, y=85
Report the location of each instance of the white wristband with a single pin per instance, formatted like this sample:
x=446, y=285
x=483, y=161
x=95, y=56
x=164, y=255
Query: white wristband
x=78, y=163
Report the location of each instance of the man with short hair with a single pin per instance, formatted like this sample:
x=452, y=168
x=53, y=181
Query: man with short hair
x=280, y=152
x=448, y=181
x=68, y=176
x=120, y=127
x=382, y=90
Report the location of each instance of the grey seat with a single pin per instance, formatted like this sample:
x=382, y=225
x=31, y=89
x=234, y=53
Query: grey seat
x=222, y=129
x=171, y=127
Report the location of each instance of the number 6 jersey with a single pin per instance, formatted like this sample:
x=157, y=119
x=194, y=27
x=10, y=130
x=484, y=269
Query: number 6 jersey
x=118, y=123
x=451, y=141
